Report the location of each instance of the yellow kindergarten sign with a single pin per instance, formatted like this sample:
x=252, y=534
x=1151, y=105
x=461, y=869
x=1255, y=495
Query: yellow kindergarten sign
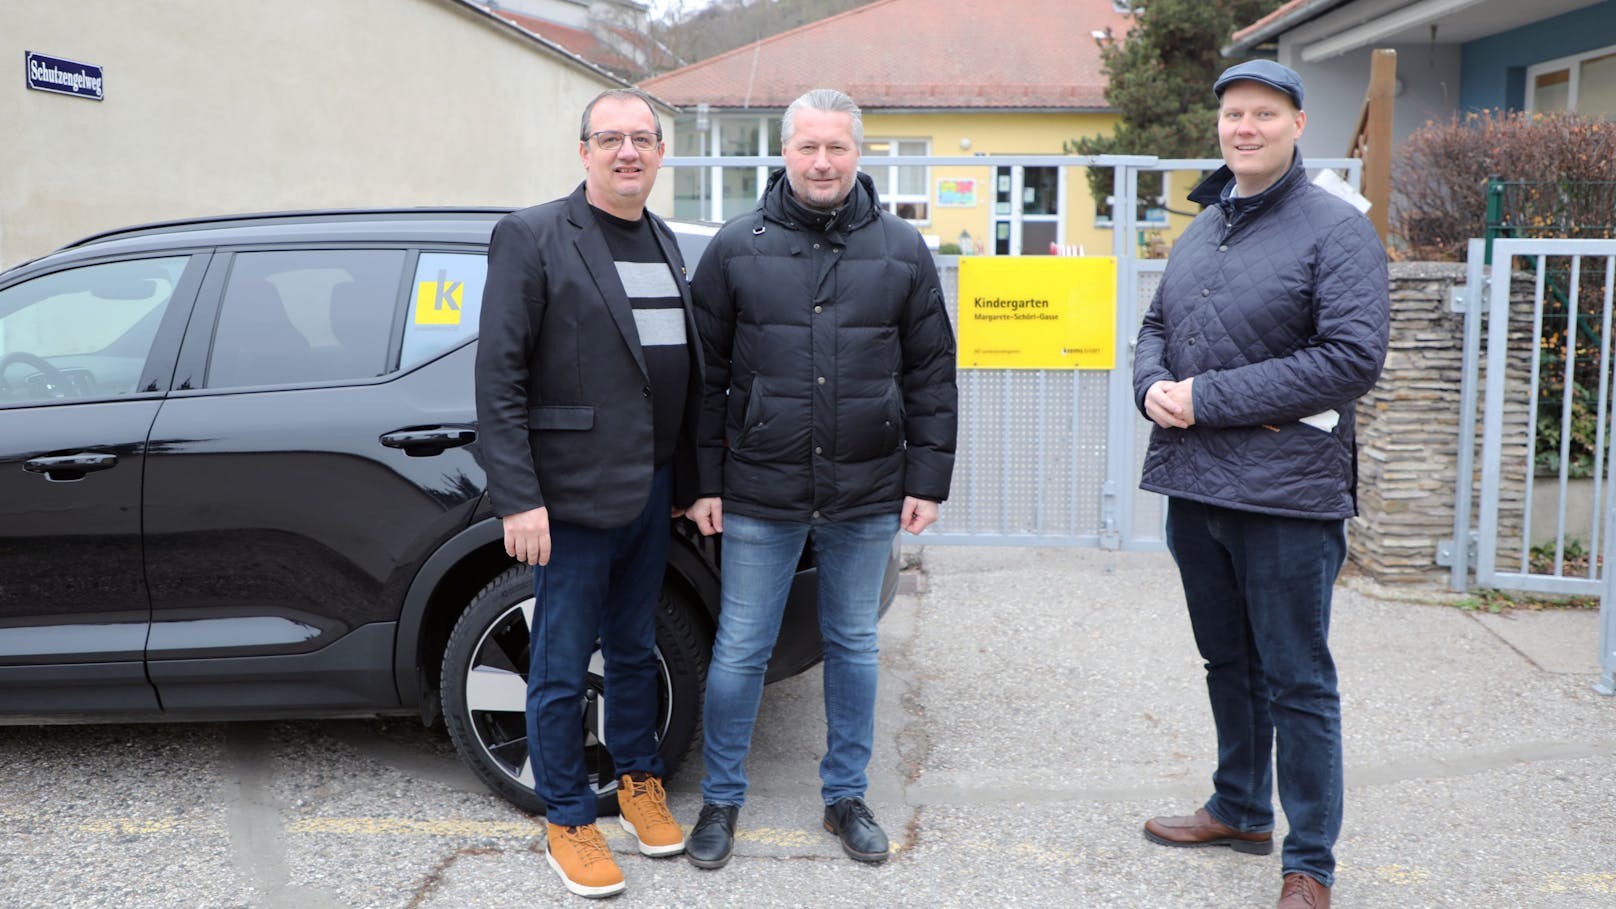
x=1038, y=312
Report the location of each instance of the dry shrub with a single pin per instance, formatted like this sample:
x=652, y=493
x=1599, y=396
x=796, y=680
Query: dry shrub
x=1440, y=172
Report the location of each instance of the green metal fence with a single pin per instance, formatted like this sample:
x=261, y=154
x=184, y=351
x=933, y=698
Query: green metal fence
x=1548, y=209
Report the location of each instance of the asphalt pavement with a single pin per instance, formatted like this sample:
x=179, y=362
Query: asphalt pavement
x=1036, y=706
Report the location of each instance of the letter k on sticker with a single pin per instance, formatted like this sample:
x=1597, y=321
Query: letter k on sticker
x=438, y=302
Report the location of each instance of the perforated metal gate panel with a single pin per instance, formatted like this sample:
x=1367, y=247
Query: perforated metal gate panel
x=1032, y=453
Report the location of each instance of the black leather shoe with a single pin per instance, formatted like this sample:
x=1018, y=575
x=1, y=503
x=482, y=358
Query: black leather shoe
x=862, y=839
x=713, y=838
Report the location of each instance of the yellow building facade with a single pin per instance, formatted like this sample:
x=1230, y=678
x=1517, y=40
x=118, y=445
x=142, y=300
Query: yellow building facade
x=994, y=208
x=1010, y=78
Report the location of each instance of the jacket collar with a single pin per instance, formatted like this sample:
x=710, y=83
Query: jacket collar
x=577, y=206
x=1217, y=189
x=861, y=207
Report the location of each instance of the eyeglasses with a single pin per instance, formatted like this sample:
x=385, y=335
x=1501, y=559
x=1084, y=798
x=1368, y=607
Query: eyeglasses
x=612, y=140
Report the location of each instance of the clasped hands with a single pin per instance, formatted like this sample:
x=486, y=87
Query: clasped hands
x=1171, y=404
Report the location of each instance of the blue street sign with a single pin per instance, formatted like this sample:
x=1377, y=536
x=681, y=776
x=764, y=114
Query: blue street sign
x=67, y=77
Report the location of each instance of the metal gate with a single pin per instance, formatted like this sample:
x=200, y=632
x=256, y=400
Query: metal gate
x=1544, y=518
x=1052, y=457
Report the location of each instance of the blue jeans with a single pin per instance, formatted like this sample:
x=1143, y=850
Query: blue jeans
x=759, y=560
x=1258, y=588
x=600, y=584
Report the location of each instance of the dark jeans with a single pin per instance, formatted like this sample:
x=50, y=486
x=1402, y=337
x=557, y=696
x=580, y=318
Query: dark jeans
x=1258, y=588
x=605, y=584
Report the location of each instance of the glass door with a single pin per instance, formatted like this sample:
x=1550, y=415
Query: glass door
x=1026, y=210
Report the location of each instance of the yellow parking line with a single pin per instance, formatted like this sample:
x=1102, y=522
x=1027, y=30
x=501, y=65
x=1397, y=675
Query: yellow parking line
x=399, y=826
x=779, y=837
x=126, y=825
x=789, y=838
x=1402, y=875
x=1560, y=882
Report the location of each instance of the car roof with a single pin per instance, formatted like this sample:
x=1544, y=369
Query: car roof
x=454, y=225
x=386, y=224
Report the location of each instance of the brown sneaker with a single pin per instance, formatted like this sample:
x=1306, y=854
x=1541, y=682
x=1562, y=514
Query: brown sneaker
x=1303, y=892
x=645, y=815
x=580, y=855
x=1201, y=829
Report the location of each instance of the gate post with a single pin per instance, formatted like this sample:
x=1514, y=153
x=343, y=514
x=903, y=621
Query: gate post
x=1475, y=298
x=1116, y=498
x=1607, y=598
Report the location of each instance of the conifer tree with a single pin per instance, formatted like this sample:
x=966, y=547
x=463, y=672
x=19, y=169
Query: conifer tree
x=1160, y=82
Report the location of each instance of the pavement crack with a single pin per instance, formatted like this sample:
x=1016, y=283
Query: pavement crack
x=911, y=830
x=1502, y=639
x=913, y=740
x=433, y=878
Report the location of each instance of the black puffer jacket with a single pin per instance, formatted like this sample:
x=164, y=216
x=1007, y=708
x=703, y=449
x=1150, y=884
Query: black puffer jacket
x=1277, y=305
x=829, y=388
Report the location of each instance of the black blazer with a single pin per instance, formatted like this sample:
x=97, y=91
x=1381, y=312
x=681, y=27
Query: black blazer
x=563, y=396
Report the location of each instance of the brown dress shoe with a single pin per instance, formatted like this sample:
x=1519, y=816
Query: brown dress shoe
x=1201, y=829
x=1303, y=892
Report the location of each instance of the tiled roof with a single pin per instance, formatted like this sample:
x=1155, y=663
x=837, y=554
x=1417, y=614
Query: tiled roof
x=1289, y=15
x=944, y=54
x=584, y=44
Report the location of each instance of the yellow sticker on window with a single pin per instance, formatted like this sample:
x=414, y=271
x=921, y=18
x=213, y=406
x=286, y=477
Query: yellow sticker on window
x=438, y=302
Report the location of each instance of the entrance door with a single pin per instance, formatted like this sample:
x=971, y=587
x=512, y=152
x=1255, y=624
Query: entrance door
x=1026, y=210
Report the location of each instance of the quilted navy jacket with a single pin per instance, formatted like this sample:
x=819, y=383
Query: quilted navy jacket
x=1277, y=304
x=829, y=389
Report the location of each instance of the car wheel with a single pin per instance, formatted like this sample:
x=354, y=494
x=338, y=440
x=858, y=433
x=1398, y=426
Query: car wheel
x=484, y=690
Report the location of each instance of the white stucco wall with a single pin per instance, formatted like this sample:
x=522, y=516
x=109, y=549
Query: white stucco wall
x=1336, y=89
x=215, y=107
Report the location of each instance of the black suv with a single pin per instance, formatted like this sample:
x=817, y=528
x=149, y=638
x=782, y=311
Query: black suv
x=239, y=478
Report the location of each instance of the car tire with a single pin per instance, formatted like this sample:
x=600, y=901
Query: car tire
x=484, y=689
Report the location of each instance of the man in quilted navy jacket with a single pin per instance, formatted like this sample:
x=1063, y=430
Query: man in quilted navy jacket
x=1270, y=321
x=828, y=414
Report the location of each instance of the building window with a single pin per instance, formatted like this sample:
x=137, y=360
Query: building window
x=1585, y=83
x=719, y=193
x=691, y=185
x=740, y=184
x=904, y=191
x=1151, y=213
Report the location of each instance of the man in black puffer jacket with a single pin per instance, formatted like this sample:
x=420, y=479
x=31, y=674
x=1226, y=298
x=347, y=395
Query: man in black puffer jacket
x=1270, y=321
x=829, y=406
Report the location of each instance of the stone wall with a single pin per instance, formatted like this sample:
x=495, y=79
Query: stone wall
x=1408, y=430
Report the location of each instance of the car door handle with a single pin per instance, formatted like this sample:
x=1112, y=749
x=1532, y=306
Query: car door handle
x=425, y=441
x=70, y=467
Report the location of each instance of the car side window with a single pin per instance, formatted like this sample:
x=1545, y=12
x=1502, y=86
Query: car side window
x=305, y=316
x=83, y=332
x=445, y=301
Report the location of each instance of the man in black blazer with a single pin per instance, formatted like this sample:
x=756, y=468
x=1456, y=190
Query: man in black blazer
x=586, y=406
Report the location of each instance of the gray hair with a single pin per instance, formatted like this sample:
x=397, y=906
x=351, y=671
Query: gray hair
x=828, y=100
x=621, y=94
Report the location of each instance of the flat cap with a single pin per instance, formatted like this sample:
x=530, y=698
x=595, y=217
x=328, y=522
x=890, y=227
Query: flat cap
x=1274, y=75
